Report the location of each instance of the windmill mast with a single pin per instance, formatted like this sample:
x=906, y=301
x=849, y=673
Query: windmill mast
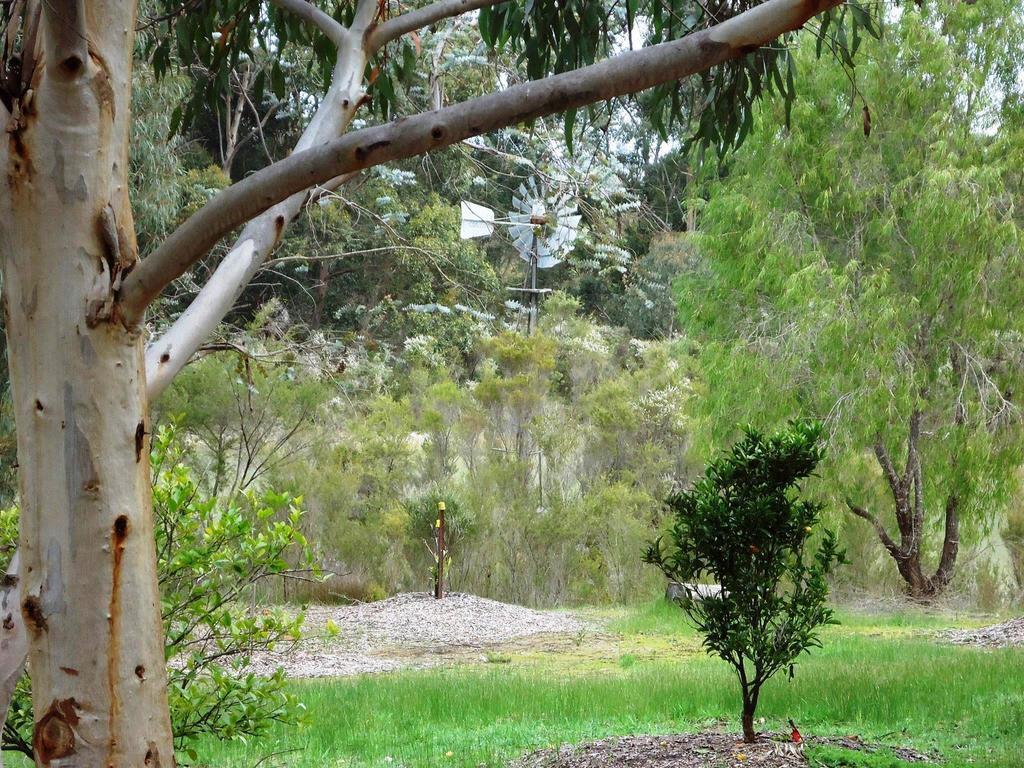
x=534, y=298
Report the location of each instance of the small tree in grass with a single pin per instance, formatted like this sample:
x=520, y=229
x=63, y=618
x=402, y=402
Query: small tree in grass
x=744, y=526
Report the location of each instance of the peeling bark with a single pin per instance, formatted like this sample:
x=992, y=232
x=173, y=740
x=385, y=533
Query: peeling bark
x=66, y=238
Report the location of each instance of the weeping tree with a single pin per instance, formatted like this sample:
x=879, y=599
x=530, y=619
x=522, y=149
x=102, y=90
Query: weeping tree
x=76, y=292
x=874, y=281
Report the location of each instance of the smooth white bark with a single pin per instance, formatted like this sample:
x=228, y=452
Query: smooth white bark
x=88, y=570
x=168, y=354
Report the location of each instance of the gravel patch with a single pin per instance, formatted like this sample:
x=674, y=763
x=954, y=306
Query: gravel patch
x=299, y=662
x=1006, y=635
x=417, y=620
x=408, y=630
x=696, y=750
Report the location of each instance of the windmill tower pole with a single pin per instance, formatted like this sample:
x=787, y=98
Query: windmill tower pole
x=534, y=307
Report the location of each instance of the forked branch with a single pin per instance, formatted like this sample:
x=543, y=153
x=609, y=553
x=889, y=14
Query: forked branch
x=394, y=28
x=309, y=13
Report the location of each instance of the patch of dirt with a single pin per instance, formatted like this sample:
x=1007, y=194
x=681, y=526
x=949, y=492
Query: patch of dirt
x=1006, y=635
x=695, y=750
x=409, y=630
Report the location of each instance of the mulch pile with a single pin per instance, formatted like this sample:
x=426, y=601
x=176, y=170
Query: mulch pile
x=1006, y=635
x=408, y=630
x=697, y=750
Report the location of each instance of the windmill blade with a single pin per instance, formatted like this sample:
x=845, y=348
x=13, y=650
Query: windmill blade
x=477, y=221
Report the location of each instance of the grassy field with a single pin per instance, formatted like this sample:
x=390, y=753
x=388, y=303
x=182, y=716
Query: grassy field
x=882, y=678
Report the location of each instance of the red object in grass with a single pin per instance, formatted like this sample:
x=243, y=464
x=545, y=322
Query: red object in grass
x=795, y=735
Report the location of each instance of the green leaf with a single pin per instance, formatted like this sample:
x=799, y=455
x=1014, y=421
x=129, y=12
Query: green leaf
x=277, y=83
x=570, y=123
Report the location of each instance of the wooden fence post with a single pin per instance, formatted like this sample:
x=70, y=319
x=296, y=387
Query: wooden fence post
x=439, y=579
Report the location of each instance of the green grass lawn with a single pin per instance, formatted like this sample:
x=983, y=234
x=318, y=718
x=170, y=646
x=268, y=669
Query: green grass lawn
x=880, y=678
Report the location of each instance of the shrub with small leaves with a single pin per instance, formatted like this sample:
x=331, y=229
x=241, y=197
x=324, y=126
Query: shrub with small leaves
x=744, y=527
x=211, y=554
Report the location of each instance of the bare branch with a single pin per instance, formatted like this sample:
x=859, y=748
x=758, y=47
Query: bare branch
x=309, y=13
x=394, y=28
x=883, y=535
x=621, y=75
x=885, y=462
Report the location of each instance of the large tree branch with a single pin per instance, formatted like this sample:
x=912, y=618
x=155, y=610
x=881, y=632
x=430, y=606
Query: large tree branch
x=366, y=12
x=915, y=477
x=885, y=462
x=621, y=75
x=394, y=28
x=898, y=488
x=309, y=13
x=167, y=355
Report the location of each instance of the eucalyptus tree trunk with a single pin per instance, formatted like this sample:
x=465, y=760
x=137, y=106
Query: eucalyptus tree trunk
x=90, y=599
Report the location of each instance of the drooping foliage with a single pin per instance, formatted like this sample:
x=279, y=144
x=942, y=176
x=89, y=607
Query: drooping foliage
x=217, y=41
x=874, y=282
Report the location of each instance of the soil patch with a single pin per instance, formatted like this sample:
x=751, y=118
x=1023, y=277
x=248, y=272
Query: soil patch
x=696, y=750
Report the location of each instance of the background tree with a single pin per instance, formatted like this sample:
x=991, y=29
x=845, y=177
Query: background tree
x=744, y=527
x=881, y=295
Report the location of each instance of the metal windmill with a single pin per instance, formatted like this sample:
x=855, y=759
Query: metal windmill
x=542, y=229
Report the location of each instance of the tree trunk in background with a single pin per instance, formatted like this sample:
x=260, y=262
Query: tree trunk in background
x=907, y=489
x=88, y=572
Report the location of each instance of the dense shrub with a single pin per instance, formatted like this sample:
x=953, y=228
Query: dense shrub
x=211, y=554
x=744, y=527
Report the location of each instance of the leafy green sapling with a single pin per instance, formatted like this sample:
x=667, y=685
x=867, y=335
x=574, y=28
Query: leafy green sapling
x=744, y=526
